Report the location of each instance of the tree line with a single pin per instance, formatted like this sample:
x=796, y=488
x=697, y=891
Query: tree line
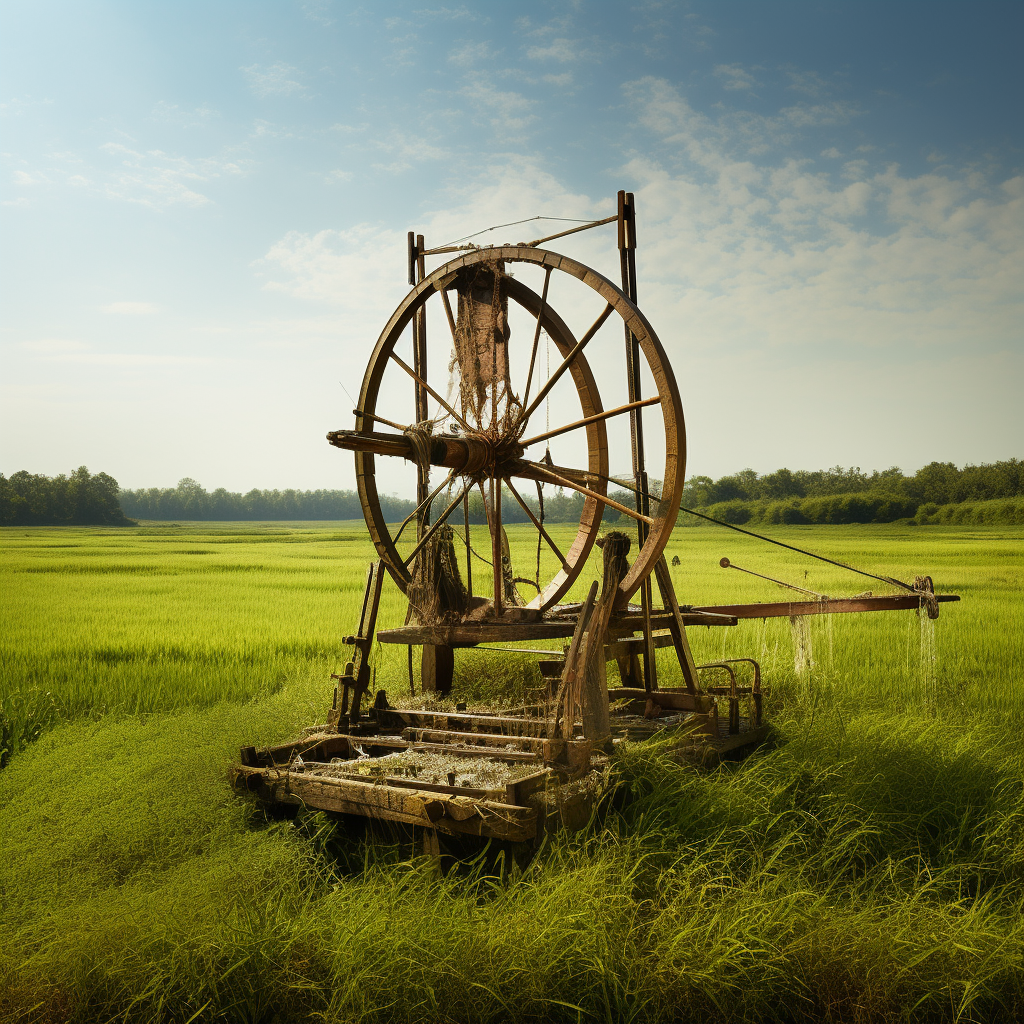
x=940, y=483
x=79, y=499
x=191, y=501
x=834, y=495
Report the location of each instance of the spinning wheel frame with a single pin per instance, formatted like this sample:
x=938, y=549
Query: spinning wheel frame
x=591, y=482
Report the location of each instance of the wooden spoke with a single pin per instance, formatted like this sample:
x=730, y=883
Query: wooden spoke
x=564, y=482
x=566, y=362
x=591, y=419
x=430, y=532
x=437, y=398
x=423, y=504
x=448, y=310
x=536, y=522
x=536, y=333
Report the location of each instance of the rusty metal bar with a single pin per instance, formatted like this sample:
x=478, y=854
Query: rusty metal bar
x=726, y=564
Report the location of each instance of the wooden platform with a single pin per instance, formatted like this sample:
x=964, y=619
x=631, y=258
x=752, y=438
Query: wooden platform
x=494, y=776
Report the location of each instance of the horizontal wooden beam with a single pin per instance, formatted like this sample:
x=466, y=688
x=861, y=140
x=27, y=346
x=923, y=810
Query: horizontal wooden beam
x=831, y=606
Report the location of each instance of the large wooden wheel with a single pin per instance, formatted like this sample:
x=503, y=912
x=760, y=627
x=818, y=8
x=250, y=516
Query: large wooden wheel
x=486, y=440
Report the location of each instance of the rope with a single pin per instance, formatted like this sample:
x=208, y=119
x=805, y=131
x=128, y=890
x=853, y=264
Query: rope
x=801, y=551
x=770, y=540
x=512, y=224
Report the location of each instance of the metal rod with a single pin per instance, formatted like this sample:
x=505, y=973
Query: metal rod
x=726, y=564
x=800, y=551
x=379, y=419
x=570, y=358
x=437, y=398
x=536, y=522
x=536, y=334
x=591, y=419
x=572, y=231
x=433, y=528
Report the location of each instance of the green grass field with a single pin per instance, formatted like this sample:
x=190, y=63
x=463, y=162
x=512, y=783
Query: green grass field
x=868, y=867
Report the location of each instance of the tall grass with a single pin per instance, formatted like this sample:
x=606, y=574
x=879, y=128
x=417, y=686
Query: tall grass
x=868, y=866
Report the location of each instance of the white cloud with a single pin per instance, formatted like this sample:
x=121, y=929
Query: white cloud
x=563, y=50
x=318, y=11
x=810, y=83
x=157, y=179
x=171, y=113
x=131, y=308
x=273, y=80
x=760, y=256
x=470, y=54
x=820, y=114
x=831, y=153
x=509, y=112
x=734, y=77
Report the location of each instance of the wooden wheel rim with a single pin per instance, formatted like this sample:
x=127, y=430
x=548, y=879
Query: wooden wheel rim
x=672, y=414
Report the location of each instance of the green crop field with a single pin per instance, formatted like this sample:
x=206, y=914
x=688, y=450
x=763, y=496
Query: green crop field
x=866, y=866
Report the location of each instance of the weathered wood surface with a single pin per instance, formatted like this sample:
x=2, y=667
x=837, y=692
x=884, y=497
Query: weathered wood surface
x=779, y=609
x=670, y=700
x=469, y=634
x=449, y=813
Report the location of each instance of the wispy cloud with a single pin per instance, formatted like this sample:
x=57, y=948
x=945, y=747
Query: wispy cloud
x=509, y=112
x=820, y=114
x=810, y=83
x=158, y=179
x=802, y=266
x=171, y=113
x=277, y=79
x=563, y=50
x=469, y=55
x=734, y=77
x=318, y=11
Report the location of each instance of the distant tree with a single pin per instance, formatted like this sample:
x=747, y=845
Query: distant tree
x=81, y=499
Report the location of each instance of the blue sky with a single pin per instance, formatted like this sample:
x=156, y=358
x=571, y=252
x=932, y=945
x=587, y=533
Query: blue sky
x=205, y=206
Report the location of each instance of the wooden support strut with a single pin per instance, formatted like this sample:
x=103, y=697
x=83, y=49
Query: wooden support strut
x=356, y=678
x=627, y=266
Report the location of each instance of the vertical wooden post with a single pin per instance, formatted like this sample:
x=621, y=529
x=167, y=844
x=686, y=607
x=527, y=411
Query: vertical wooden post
x=627, y=267
x=496, y=546
x=419, y=365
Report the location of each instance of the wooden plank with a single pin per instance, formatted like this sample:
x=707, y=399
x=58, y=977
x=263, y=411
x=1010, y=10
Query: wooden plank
x=413, y=807
x=402, y=717
x=669, y=700
x=780, y=609
x=485, y=739
x=469, y=634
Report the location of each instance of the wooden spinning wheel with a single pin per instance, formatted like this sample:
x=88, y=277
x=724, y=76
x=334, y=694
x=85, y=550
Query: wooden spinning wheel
x=478, y=433
x=487, y=441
